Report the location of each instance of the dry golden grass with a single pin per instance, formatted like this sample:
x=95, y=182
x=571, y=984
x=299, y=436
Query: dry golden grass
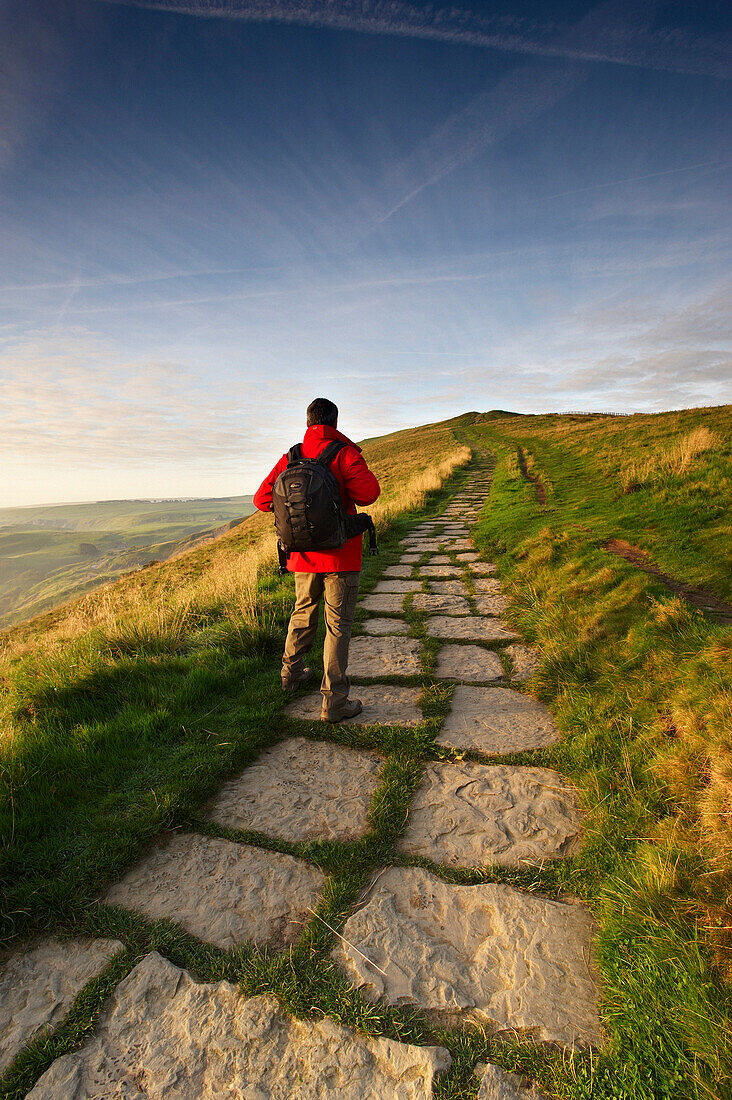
x=697, y=765
x=672, y=460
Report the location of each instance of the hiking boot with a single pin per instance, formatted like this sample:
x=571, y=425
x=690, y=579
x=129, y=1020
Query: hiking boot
x=292, y=683
x=349, y=709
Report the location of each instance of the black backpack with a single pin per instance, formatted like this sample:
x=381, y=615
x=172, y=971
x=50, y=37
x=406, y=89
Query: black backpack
x=308, y=508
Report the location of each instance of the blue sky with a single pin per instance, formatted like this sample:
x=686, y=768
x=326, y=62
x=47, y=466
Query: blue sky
x=212, y=211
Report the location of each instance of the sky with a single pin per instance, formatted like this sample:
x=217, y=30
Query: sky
x=213, y=211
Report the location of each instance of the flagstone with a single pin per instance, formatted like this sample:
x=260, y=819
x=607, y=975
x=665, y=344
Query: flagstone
x=473, y=815
x=467, y=555
x=448, y=588
x=439, y=559
x=431, y=548
x=487, y=586
x=468, y=662
x=471, y=628
x=221, y=892
x=40, y=982
x=383, y=705
x=491, y=605
x=440, y=570
x=373, y=657
x=448, y=605
x=480, y=568
x=383, y=601
x=398, y=586
x=386, y=626
x=496, y=720
x=398, y=571
x=409, y=558
x=488, y=953
x=302, y=790
x=525, y=660
x=165, y=1034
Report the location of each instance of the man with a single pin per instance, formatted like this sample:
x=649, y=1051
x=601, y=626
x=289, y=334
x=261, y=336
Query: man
x=330, y=575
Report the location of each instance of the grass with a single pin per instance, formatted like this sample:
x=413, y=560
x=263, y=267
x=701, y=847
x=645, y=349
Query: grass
x=641, y=684
x=124, y=711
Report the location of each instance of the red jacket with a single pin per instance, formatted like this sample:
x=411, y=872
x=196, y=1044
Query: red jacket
x=358, y=486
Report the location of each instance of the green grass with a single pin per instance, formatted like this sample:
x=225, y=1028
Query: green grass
x=641, y=686
x=121, y=733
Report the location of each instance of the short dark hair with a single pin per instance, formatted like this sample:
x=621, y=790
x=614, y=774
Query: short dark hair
x=322, y=411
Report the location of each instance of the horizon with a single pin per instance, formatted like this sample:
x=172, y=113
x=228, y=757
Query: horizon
x=119, y=500
x=183, y=498
x=213, y=211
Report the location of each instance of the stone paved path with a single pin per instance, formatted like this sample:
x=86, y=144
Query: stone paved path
x=38, y=987
x=511, y=960
x=164, y=1035
x=486, y=953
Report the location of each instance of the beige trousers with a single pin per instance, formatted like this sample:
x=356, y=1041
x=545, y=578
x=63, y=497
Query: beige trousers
x=339, y=592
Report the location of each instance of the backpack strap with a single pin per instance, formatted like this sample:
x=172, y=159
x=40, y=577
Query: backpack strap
x=356, y=525
x=294, y=454
x=283, y=554
x=373, y=545
x=326, y=456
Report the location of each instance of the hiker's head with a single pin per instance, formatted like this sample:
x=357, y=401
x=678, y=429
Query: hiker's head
x=322, y=411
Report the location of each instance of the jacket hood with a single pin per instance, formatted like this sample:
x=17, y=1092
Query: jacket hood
x=325, y=432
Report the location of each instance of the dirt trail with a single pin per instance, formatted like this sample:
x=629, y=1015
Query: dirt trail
x=698, y=597
x=536, y=481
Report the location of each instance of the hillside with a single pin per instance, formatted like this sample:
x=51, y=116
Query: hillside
x=125, y=710
x=48, y=554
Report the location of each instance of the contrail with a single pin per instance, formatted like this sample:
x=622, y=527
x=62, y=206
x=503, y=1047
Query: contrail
x=517, y=99
x=709, y=57
x=616, y=31
x=127, y=280
x=718, y=165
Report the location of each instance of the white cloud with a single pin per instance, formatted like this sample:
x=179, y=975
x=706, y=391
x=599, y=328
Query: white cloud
x=65, y=398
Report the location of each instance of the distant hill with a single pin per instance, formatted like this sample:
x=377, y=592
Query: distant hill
x=53, y=552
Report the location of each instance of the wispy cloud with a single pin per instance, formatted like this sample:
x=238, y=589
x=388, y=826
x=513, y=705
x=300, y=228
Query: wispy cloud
x=464, y=26
x=66, y=397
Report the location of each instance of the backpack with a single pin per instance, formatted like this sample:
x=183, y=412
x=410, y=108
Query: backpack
x=308, y=507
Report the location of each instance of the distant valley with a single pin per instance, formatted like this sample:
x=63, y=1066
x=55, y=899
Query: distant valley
x=50, y=553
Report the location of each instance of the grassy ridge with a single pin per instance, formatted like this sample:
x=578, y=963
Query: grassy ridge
x=125, y=710
x=641, y=684
x=661, y=481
